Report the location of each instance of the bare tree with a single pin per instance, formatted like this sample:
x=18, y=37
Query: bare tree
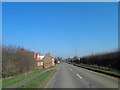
x=16, y=60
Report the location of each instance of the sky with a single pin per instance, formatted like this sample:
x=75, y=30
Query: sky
x=61, y=28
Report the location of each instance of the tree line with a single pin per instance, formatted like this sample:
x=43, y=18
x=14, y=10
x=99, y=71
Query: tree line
x=16, y=60
x=110, y=60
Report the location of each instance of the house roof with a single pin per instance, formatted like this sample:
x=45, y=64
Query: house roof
x=48, y=54
x=38, y=56
x=41, y=57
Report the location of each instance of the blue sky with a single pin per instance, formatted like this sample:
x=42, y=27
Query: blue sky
x=60, y=28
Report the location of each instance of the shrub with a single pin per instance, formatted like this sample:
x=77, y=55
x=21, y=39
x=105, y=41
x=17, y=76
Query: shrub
x=16, y=60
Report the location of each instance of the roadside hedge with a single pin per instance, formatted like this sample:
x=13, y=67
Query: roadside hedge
x=16, y=60
x=108, y=60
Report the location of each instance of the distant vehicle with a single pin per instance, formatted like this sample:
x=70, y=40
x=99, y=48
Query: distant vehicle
x=58, y=62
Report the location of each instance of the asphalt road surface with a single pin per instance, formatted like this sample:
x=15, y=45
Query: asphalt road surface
x=69, y=76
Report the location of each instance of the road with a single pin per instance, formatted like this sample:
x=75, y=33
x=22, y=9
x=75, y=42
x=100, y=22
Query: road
x=69, y=76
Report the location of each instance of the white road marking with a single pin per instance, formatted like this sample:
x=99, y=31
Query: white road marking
x=71, y=69
x=79, y=76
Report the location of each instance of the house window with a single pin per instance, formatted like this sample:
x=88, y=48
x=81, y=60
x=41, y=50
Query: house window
x=40, y=63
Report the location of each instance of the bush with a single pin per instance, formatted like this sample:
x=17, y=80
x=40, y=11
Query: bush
x=16, y=60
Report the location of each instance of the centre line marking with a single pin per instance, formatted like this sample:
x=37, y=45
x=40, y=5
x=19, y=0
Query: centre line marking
x=79, y=76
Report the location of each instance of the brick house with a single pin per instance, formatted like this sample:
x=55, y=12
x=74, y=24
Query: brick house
x=38, y=57
x=48, y=60
x=44, y=61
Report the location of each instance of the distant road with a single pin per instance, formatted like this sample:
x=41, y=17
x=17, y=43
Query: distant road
x=69, y=76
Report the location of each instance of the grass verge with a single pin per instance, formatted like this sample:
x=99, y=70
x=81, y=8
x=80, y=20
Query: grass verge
x=12, y=80
x=0, y=83
x=40, y=81
x=111, y=73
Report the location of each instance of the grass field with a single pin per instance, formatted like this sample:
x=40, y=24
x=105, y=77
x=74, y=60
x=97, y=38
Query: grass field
x=40, y=81
x=11, y=80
